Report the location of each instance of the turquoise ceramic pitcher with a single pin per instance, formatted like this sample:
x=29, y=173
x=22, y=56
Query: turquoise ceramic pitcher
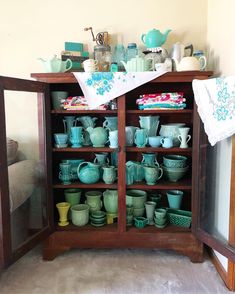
x=88, y=173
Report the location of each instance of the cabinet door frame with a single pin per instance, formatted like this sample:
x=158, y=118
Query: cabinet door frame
x=7, y=255
x=223, y=247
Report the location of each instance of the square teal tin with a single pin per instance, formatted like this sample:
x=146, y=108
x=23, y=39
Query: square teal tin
x=71, y=46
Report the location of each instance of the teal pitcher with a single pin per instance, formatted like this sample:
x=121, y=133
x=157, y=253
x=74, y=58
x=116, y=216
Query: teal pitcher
x=88, y=173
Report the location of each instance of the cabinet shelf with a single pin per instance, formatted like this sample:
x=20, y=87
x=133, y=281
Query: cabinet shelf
x=184, y=184
x=160, y=150
x=160, y=111
x=88, y=228
x=86, y=186
x=85, y=149
x=66, y=112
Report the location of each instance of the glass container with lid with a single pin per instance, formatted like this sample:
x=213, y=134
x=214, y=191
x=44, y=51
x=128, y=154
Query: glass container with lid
x=102, y=53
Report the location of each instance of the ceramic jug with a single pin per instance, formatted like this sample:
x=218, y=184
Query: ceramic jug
x=151, y=174
x=88, y=173
x=98, y=136
x=154, y=38
x=178, y=51
x=109, y=174
x=56, y=65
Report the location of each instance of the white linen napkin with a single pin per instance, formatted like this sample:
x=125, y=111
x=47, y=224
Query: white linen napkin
x=215, y=99
x=101, y=87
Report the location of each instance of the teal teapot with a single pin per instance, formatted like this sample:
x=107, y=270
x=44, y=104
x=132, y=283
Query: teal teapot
x=56, y=64
x=88, y=172
x=98, y=136
x=154, y=38
x=138, y=64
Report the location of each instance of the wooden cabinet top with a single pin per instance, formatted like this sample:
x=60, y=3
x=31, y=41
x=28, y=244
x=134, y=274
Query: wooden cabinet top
x=184, y=76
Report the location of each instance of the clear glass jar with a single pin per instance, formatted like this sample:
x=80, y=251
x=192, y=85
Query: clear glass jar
x=119, y=55
x=132, y=51
x=102, y=53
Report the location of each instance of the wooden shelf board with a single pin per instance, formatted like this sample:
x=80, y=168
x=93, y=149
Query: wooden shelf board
x=88, y=228
x=160, y=111
x=152, y=229
x=85, y=149
x=86, y=186
x=66, y=112
x=184, y=184
x=159, y=149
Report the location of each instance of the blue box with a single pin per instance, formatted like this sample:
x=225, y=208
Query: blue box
x=71, y=46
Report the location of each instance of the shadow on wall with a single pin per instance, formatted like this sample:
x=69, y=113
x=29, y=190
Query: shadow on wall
x=213, y=62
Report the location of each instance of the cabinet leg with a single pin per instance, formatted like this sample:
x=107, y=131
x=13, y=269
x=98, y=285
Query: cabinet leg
x=51, y=251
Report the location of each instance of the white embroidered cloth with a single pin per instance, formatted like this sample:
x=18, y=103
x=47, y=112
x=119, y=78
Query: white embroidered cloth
x=101, y=87
x=215, y=99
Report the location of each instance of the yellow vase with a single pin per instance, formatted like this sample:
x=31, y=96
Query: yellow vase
x=63, y=208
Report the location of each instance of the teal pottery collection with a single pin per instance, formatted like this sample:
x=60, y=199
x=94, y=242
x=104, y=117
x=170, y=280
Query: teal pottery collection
x=98, y=136
x=65, y=173
x=88, y=172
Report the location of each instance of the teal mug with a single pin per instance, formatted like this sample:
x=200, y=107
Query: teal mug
x=140, y=222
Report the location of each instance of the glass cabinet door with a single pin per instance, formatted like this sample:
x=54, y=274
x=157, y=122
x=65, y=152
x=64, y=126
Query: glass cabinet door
x=207, y=225
x=24, y=176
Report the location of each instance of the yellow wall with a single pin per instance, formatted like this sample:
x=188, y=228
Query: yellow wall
x=30, y=29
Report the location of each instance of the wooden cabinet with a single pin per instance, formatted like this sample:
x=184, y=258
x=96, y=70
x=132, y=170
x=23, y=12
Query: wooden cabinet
x=118, y=235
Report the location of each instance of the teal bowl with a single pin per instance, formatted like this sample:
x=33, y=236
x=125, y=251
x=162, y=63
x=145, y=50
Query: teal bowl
x=174, y=161
x=174, y=174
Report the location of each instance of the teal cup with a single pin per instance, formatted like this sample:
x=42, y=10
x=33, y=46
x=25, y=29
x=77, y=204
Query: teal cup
x=155, y=141
x=57, y=99
x=174, y=198
x=61, y=140
x=167, y=142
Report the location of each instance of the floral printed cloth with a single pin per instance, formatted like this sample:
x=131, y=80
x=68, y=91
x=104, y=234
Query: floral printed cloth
x=102, y=87
x=215, y=99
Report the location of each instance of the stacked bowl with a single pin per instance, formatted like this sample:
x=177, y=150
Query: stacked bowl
x=174, y=167
x=98, y=218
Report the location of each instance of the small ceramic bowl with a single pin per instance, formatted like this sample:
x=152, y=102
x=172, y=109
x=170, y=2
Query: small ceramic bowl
x=174, y=174
x=98, y=214
x=174, y=161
